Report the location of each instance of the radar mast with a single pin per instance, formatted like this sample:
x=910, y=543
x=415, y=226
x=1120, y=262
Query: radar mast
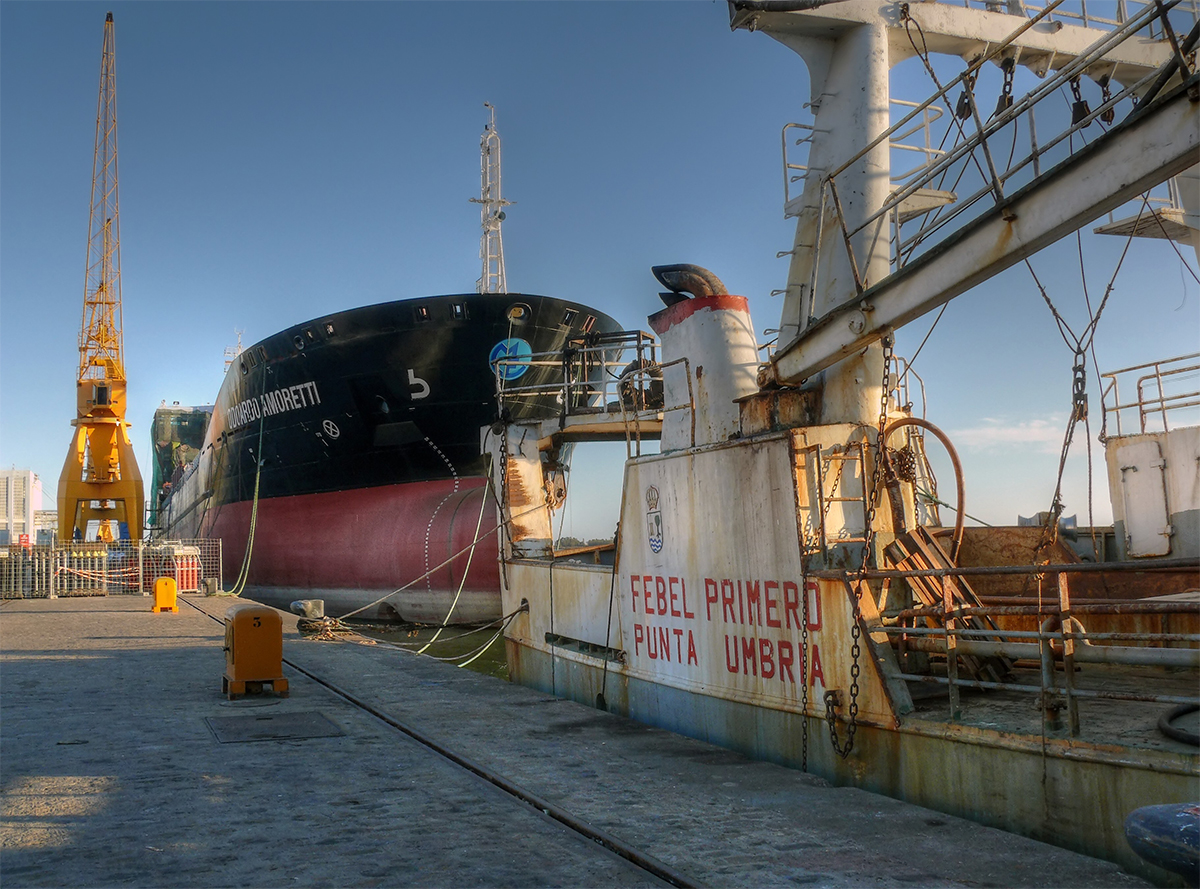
x=491, y=210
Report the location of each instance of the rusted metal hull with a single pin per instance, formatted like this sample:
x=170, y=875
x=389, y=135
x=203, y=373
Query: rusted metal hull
x=1068, y=793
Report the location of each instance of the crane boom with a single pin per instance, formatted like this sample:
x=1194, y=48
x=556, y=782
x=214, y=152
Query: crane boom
x=100, y=478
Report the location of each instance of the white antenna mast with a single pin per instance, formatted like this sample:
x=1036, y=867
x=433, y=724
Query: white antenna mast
x=491, y=211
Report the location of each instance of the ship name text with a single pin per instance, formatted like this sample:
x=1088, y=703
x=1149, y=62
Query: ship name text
x=278, y=401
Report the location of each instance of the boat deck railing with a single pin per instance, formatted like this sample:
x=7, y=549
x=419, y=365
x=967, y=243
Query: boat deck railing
x=1165, y=390
x=100, y=569
x=974, y=160
x=1062, y=652
x=601, y=382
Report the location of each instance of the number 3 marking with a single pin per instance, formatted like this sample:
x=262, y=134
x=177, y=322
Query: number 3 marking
x=417, y=383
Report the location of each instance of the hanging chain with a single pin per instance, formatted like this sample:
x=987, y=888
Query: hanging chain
x=833, y=698
x=1108, y=115
x=804, y=680
x=1008, y=66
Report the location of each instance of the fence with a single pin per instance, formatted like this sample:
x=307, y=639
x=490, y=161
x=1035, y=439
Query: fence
x=99, y=569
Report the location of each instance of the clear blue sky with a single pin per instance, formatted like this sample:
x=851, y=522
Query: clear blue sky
x=279, y=161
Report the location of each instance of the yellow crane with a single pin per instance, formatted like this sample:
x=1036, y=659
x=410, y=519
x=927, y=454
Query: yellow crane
x=100, y=478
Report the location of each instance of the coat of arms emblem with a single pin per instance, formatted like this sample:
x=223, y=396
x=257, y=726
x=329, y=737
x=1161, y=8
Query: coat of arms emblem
x=654, y=525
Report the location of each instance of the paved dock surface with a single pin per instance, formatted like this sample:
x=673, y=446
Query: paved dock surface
x=110, y=775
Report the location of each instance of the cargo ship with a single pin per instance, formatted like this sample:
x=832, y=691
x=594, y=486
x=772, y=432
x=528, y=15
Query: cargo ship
x=342, y=460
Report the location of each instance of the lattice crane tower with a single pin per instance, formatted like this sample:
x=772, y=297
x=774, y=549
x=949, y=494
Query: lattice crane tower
x=100, y=478
x=491, y=211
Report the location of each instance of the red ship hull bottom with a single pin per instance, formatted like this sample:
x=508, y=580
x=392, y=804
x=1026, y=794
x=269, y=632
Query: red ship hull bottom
x=352, y=548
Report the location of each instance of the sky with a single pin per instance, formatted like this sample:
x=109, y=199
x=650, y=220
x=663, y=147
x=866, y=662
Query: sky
x=280, y=161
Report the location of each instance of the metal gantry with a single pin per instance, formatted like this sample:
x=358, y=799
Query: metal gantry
x=100, y=478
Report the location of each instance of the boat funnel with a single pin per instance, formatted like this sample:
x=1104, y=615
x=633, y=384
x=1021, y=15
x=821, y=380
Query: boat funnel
x=713, y=331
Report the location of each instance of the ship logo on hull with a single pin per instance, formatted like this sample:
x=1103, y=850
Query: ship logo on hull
x=331, y=428
x=654, y=525
x=515, y=353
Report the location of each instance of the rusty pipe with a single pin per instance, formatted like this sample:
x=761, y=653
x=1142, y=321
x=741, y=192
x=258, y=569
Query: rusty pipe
x=958, y=473
x=687, y=278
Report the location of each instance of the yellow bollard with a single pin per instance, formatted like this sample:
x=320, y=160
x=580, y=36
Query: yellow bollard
x=164, y=595
x=253, y=651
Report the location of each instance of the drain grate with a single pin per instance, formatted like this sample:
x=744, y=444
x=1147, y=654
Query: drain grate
x=273, y=727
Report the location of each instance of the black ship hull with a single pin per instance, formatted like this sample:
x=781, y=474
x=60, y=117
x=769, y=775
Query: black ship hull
x=343, y=456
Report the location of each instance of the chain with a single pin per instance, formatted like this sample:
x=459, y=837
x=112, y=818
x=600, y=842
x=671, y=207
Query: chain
x=904, y=463
x=1108, y=115
x=804, y=680
x=833, y=698
x=1008, y=66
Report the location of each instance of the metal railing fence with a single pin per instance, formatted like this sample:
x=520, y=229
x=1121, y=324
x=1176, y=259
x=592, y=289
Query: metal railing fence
x=106, y=569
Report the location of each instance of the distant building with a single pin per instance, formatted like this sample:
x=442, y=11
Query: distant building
x=20, y=498
x=45, y=522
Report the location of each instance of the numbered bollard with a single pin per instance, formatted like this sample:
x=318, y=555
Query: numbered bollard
x=165, y=595
x=253, y=651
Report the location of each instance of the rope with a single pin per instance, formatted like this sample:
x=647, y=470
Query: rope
x=483, y=500
x=436, y=568
x=244, y=574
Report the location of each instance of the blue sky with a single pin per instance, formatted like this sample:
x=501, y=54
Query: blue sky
x=279, y=161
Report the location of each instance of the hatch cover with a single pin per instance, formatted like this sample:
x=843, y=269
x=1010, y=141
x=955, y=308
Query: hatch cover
x=273, y=727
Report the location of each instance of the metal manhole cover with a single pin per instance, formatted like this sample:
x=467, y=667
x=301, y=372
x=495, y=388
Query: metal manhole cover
x=272, y=727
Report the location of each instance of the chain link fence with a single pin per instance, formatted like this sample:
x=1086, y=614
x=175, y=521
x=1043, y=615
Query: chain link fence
x=121, y=568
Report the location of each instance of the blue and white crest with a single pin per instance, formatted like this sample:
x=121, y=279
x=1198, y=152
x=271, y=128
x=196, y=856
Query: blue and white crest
x=516, y=354
x=654, y=523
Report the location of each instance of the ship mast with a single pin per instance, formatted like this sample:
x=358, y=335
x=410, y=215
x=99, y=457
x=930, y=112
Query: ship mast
x=491, y=210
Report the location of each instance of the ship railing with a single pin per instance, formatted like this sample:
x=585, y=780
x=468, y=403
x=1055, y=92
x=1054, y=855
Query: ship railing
x=584, y=377
x=1088, y=13
x=118, y=568
x=795, y=172
x=982, y=183
x=1060, y=647
x=646, y=408
x=1165, y=390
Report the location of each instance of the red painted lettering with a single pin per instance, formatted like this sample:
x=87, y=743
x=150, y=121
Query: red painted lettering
x=651, y=643
x=766, y=658
x=683, y=595
x=678, y=644
x=772, y=605
x=753, y=604
x=710, y=596
x=741, y=604
x=727, y=614
x=731, y=665
x=787, y=657
x=646, y=589
x=638, y=638
x=692, y=659
x=672, y=596
x=664, y=642
x=791, y=603
x=815, y=669
x=660, y=595
x=749, y=656
x=633, y=591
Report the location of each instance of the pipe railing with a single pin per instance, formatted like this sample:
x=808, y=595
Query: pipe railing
x=1060, y=642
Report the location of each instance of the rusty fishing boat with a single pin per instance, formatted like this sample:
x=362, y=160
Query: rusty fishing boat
x=784, y=583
